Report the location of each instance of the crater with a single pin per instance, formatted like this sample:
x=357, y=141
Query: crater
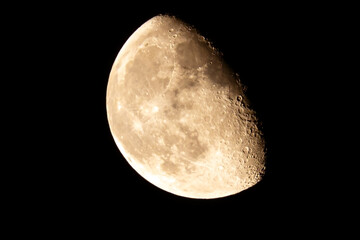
x=146, y=72
x=191, y=144
x=170, y=167
x=192, y=54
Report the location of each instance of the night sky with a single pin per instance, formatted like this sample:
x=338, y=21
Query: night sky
x=82, y=178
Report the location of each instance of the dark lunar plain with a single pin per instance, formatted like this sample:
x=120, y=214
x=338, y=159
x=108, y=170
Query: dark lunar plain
x=78, y=180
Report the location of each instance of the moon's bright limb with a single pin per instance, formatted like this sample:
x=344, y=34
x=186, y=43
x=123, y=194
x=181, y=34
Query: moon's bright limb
x=179, y=115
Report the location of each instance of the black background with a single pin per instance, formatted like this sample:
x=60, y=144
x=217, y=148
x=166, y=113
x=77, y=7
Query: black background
x=79, y=179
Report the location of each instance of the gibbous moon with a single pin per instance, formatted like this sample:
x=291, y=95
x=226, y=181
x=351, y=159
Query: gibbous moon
x=179, y=115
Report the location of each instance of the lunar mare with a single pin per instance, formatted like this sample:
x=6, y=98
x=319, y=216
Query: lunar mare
x=179, y=115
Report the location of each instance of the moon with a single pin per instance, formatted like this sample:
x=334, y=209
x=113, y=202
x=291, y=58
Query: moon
x=180, y=116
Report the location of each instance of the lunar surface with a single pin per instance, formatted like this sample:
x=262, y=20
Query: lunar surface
x=179, y=115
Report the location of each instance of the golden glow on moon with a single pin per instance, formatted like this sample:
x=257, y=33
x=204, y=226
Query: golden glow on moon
x=179, y=115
